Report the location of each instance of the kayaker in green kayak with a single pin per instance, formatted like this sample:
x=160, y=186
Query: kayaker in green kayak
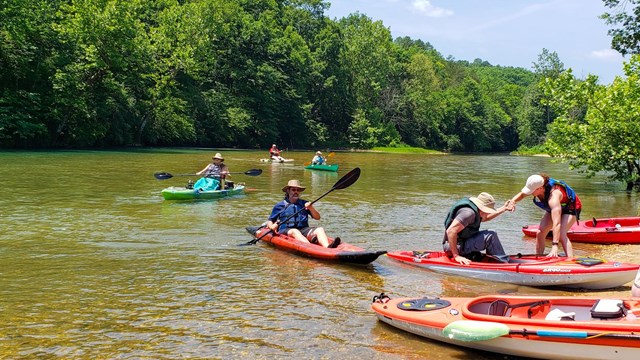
x=298, y=226
x=214, y=175
x=318, y=159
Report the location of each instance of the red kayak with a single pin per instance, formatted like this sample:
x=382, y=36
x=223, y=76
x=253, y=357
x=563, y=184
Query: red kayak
x=621, y=230
x=529, y=270
x=344, y=252
x=544, y=327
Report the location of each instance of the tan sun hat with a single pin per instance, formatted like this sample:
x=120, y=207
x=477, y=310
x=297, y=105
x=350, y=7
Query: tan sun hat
x=293, y=184
x=318, y=153
x=218, y=156
x=485, y=202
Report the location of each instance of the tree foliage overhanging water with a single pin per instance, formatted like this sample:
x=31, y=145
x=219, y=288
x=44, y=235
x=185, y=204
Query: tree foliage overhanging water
x=237, y=73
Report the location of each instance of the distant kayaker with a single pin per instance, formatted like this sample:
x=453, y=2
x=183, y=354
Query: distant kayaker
x=274, y=153
x=215, y=171
x=297, y=226
x=562, y=209
x=318, y=159
x=463, y=236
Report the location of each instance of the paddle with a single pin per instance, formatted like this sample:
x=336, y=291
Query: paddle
x=328, y=156
x=165, y=175
x=344, y=182
x=470, y=330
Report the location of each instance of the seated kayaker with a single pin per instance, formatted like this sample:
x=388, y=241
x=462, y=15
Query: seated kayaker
x=274, y=153
x=318, y=159
x=463, y=236
x=562, y=208
x=283, y=221
x=216, y=170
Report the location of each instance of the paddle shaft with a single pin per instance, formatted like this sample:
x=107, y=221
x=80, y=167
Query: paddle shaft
x=572, y=334
x=165, y=175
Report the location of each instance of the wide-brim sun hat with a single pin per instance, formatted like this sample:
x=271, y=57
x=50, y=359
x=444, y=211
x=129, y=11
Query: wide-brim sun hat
x=218, y=156
x=485, y=202
x=318, y=153
x=293, y=184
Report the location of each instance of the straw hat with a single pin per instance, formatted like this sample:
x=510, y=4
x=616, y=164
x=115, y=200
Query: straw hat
x=485, y=202
x=318, y=153
x=218, y=156
x=293, y=184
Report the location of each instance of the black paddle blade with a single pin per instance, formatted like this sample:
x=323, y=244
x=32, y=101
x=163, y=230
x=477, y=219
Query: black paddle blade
x=348, y=180
x=253, y=172
x=162, y=175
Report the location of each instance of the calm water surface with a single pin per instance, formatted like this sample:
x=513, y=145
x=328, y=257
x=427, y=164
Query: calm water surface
x=95, y=264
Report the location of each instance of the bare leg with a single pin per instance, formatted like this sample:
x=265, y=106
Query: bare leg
x=543, y=230
x=295, y=233
x=565, y=224
x=322, y=237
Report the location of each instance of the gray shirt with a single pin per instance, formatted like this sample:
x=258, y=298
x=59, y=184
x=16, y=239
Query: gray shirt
x=465, y=216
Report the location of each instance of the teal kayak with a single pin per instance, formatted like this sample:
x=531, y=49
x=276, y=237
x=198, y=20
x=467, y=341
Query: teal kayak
x=182, y=193
x=323, y=167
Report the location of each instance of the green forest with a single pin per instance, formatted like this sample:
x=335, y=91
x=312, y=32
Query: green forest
x=246, y=74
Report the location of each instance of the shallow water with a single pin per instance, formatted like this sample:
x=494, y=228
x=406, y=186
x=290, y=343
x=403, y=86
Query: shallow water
x=95, y=264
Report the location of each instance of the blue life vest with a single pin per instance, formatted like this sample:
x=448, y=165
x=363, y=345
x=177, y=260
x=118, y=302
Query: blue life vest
x=471, y=229
x=298, y=221
x=544, y=204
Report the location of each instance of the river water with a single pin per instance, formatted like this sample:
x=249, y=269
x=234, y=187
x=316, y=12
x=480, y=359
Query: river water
x=95, y=264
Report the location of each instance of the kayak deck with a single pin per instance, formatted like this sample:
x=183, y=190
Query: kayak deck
x=344, y=252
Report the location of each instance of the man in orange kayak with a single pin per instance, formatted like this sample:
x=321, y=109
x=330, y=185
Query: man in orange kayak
x=297, y=225
x=463, y=236
x=562, y=209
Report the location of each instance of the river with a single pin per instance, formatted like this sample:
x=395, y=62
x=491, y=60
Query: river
x=95, y=264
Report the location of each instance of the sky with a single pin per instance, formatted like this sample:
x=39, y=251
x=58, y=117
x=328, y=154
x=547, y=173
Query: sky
x=502, y=32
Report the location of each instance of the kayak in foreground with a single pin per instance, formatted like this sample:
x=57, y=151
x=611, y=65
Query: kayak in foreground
x=529, y=270
x=543, y=327
x=621, y=230
x=344, y=252
x=322, y=167
x=182, y=193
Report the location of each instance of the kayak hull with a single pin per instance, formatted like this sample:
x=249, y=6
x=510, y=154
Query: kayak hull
x=345, y=253
x=323, y=167
x=534, y=329
x=181, y=193
x=528, y=270
x=621, y=230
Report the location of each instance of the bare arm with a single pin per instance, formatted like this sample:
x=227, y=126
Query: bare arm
x=452, y=236
x=314, y=213
x=556, y=217
x=509, y=205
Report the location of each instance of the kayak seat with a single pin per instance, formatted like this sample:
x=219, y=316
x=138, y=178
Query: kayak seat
x=504, y=308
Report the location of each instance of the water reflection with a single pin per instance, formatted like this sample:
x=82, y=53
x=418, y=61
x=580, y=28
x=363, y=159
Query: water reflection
x=95, y=264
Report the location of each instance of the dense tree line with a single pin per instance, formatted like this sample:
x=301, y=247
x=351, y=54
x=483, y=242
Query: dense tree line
x=246, y=73
x=92, y=73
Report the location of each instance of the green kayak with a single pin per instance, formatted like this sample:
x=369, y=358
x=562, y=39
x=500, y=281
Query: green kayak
x=182, y=193
x=323, y=167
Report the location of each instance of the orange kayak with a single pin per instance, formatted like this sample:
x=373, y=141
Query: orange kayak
x=621, y=230
x=344, y=252
x=529, y=270
x=531, y=326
